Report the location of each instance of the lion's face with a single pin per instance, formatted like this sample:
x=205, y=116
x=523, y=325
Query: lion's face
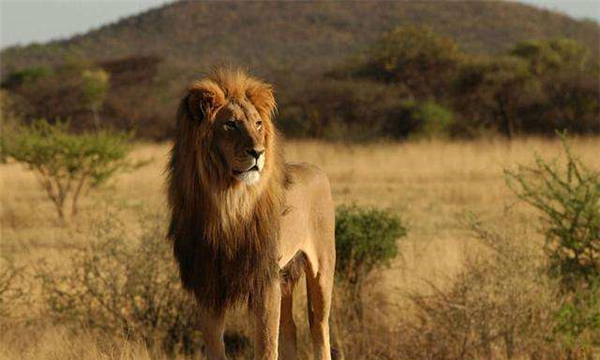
x=228, y=116
x=239, y=135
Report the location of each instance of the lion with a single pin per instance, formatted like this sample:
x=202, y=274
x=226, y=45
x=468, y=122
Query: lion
x=244, y=224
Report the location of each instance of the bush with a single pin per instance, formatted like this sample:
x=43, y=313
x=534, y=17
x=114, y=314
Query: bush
x=139, y=97
x=490, y=92
x=66, y=163
x=348, y=110
x=366, y=240
x=569, y=200
x=11, y=293
x=500, y=306
x=95, y=87
x=27, y=75
x=415, y=57
x=421, y=120
x=550, y=56
x=437, y=120
x=10, y=119
x=578, y=319
x=124, y=285
x=568, y=95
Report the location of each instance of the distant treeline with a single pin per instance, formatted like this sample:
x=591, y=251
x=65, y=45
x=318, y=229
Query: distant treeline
x=414, y=82
x=411, y=83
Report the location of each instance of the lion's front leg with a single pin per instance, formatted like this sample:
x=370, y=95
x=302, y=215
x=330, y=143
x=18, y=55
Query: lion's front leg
x=213, y=327
x=267, y=313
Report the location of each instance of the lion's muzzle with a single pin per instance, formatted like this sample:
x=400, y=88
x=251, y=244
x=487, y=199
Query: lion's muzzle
x=252, y=171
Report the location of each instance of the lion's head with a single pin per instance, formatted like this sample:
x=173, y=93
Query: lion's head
x=226, y=184
x=231, y=115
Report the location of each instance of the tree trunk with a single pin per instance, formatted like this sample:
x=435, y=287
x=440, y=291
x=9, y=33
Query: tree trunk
x=74, y=207
x=507, y=124
x=96, y=114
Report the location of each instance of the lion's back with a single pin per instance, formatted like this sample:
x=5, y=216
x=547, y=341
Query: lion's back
x=309, y=195
x=305, y=174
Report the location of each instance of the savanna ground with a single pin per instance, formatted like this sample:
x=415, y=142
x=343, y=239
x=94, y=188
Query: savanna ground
x=430, y=184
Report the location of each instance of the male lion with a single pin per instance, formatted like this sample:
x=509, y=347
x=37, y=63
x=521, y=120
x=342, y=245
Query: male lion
x=243, y=223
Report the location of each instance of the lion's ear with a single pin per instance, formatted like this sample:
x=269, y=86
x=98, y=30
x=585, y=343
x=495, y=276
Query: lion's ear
x=262, y=97
x=202, y=100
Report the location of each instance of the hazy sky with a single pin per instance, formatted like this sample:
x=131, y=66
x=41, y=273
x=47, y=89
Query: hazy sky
x=25, y=21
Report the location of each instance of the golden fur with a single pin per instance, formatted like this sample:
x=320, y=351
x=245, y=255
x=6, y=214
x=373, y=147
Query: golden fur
x=244, y=225
x=224, y=234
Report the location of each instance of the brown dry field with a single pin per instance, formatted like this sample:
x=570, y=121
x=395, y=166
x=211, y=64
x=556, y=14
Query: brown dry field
x=429, y=183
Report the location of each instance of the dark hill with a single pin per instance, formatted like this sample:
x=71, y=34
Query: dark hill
x=277, y=37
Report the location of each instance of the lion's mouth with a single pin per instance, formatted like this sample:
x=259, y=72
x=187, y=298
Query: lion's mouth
x=238, y=172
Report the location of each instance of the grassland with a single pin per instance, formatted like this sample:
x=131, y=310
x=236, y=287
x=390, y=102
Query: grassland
x=429, y=183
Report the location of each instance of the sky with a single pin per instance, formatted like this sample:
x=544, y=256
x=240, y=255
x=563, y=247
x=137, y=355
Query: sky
x=26, y=21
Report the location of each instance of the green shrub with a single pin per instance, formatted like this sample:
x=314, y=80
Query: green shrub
x=10, y=119
x=28, y=75
x=123, y=284
x=436, y=120
x=95, y=86
x=427, y=119
x=366, y=240
x=415, y=57
x=67, y=163
x=569, y=199
x=568, y=89
x=549, y=56
x=578, y=319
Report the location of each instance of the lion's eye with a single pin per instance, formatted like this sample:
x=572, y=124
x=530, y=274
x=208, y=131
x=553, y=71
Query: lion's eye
x=259, y=124
x=230, y=124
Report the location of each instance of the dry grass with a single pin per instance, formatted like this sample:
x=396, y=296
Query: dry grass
x=430, y=183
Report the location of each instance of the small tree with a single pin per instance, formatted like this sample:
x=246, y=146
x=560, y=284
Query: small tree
x=569, y=84
x=569, y=200
x=10, y=119
x=95, y=87
x=27, y=75
x=550, y=56
x=415, y=57
x=436, y=120
x=66, y=163
x=366, y=240
x=490, y=91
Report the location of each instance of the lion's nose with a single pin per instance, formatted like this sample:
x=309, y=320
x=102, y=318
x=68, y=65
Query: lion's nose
x=255, y=153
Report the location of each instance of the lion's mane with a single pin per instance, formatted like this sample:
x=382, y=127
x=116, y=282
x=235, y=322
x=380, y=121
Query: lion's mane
x=224, y=234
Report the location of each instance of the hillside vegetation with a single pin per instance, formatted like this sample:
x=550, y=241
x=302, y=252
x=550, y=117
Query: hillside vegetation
x=152, y=56
x=275, y=37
